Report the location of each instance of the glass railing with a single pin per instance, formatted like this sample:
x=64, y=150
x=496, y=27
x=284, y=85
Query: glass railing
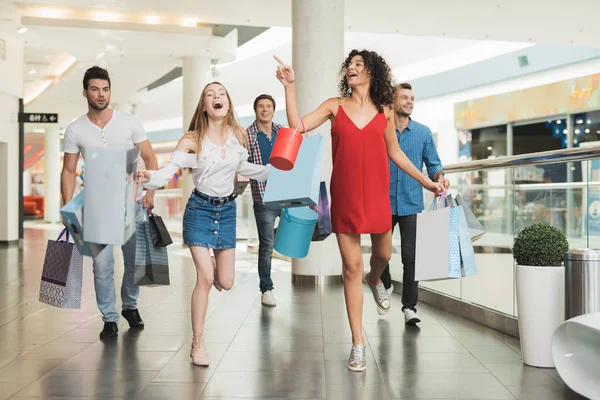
x=507, y=194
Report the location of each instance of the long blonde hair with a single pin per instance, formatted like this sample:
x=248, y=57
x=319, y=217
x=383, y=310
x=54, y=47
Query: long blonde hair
x=199, y=123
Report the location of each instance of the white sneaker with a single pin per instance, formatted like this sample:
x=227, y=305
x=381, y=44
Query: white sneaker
x=410, y=317
x=268, y=300
x=381, y=311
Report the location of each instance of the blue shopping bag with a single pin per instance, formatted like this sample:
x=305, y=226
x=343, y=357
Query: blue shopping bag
x=467, y=254
x=298, y=187
x=72, y=214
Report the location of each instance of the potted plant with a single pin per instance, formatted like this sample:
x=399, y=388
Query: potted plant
x=539, y=251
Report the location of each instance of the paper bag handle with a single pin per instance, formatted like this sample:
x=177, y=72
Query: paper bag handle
x=61, y=235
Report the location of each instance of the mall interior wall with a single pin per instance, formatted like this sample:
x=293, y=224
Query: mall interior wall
x=438, y=112
x=11, y=90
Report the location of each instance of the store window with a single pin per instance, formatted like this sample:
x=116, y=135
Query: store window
x=540, y=136
x=587, y=128
x=488, y=142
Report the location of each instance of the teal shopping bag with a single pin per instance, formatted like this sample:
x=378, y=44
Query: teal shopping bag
x=72, y=214
x=467, y=254
x=298, y=187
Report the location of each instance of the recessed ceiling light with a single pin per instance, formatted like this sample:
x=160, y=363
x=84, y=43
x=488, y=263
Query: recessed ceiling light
x=32, y=71
x=152, y=19
x=587, y=131
x=579, y=121
x=577, y=131
x=589, y=121
x=490, y=148
x=22, y=29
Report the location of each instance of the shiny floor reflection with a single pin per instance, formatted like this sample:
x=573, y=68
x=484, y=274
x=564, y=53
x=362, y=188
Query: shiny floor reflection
x=296, y=350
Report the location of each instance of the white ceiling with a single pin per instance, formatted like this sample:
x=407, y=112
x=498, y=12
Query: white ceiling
x=407, y=32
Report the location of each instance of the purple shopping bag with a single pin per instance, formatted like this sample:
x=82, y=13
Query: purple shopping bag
x=323, y=227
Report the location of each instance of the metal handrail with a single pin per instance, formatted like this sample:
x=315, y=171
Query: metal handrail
x=546, y=157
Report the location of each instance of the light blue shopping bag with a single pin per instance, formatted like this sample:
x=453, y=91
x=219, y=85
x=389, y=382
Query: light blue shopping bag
x=72, y=214
x=467, y=254
x=298, y=187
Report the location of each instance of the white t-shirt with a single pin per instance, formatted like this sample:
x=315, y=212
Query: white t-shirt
x=123, y=130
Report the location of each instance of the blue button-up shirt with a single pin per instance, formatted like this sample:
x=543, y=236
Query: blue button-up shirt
x=266, y=145
x=406, y=194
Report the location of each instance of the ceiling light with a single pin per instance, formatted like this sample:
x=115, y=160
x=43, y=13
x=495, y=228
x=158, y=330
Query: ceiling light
x=577, y=131
x=100, y=55
x=190, y=22
x=22, y=29
x=589, y=121
x=106, y=16
x=39, y=130
x=587, y=131
x=598, y=131
x=579, y=121
x=51, y=13
x=558, y=122
x=565, y=131
x=152, y=19
x=490, y=148
x=32, y=71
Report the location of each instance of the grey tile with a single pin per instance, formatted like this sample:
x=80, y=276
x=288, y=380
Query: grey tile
x=80, y=336
x=281, y=329
x=520, y=375
x=24, y=341
x=180, y=391
x=338, y=374
x=445, y=385
x=400, y=329
x=342, y=392
x=428, y=363
x=473, y=338
x=26, y=370
x=184, y=371
x=6, y=357
x=135, y=341
x=495, y=354
x=10, y=388
x=272, y=361
x=557, y=392
x=337, y=336
x=215, y=352
x=310, y=344
x=266, y=384
x=127, y=384
x=92, y=360
x=400, y=345
x=56, y=351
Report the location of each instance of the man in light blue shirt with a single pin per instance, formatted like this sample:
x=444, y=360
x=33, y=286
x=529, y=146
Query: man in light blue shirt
x=406, y=194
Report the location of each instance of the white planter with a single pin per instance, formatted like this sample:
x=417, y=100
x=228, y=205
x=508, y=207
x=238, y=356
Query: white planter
x=541, y=309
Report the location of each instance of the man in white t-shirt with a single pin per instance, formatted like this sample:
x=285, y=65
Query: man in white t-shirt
x=105, y=127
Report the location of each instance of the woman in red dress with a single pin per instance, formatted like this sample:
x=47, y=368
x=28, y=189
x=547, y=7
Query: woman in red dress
x=363, y=137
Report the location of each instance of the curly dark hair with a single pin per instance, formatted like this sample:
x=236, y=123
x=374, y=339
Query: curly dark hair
x=382, y=88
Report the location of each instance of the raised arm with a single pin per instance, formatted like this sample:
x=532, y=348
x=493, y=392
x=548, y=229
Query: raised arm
x=312, y=120
x=402, y=161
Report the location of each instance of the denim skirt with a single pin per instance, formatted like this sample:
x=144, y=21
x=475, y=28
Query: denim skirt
x=209, y=225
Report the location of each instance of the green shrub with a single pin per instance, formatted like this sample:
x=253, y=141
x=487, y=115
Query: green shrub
x=540, y=245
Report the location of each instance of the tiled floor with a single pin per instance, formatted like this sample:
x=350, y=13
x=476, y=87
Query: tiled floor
x=296, y=350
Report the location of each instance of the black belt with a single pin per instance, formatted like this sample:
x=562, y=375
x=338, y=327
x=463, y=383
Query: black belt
x=215, y=200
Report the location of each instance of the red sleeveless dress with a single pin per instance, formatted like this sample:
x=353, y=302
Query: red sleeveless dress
x=360, y=180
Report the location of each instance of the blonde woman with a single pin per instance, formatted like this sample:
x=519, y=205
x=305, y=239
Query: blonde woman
x=215, y=149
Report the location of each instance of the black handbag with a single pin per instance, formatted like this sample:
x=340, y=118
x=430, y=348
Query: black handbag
x=158, y=230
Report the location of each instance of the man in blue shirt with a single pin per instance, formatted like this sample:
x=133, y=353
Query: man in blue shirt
x=406, y=194
x=261, y=138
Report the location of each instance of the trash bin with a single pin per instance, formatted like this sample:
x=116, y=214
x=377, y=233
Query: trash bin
x=582, y=282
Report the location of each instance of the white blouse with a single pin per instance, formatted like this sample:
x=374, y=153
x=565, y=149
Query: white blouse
x=214, y=169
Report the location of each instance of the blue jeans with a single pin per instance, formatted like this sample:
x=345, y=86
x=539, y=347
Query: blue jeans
x=104, y=283
x=265, y=223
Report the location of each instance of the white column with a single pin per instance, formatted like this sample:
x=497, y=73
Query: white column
x=317, y=53
x=196, y=75
x=52, y=175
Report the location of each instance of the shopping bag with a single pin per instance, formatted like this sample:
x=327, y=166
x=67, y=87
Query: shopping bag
x=151, y=262
x=467, y=255
x=437, y=253
x=72, y=214
x=298, y=187
x=323, y=227
x=476, y=230
x=110, y=194
x=62, y=274
x=158, y=230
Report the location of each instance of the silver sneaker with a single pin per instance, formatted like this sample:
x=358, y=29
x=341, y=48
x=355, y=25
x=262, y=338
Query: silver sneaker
x=357, y=361
x=381, y=311
x=410, y=317
x=380, y=294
